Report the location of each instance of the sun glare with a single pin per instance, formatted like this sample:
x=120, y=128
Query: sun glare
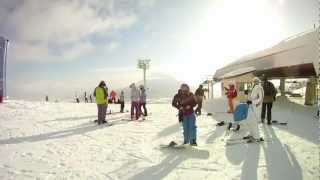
x=228, y=30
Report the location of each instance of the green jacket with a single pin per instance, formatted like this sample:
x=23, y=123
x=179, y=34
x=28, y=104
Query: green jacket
x=101, y=95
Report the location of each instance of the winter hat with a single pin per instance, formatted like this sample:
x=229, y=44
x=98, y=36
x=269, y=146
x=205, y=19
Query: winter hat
x=256, y=79
x=264, y=77
x=132, y=85
x=102, y=84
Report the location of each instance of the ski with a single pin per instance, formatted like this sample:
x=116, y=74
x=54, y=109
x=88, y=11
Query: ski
x=173, y=145
x=231, y=142
x=275, y=122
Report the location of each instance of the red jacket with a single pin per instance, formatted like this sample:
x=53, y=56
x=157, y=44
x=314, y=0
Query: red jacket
x=231, y=93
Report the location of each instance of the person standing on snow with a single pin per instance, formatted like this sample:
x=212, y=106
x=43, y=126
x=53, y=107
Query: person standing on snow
x=113, y=95
x=188, y=102
x=176, y=102
x=121, y=101
x=200, y=95
x=90, y=98
x=85, y=97
x=231, y=94
x=101, y=99
x=255, y=99
x=143, y=100
x=135, y=99
x=270, y=93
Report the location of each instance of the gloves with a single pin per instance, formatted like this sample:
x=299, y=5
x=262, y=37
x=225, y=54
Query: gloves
x=249, y=102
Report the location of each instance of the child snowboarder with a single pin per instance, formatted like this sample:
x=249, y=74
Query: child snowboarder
x=240, y=113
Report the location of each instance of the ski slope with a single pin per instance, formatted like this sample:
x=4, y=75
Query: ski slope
x=60, y=141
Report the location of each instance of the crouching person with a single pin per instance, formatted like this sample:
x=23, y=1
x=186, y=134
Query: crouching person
x=188, y=102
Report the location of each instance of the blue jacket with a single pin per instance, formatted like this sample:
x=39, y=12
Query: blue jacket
x=241, y=112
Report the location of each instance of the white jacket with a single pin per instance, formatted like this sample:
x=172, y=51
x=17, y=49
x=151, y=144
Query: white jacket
x=135, y=94
x=257, y=95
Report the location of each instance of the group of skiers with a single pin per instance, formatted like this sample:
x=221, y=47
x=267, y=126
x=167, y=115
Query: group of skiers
x=138, y=101
x=262, y=96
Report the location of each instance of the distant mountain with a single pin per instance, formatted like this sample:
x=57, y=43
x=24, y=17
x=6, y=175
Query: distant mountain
x=158, y=88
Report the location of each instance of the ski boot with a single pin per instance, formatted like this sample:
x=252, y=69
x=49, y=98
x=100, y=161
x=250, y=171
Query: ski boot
x=193, y=143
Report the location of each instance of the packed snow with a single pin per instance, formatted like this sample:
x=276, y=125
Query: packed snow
x=41, y=140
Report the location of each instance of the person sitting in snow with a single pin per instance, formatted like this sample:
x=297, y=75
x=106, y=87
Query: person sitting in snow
x=255, y=99
x=143, y=100
x=176, y=102
x=101, y=99
x=188, y=102
x=135, y=100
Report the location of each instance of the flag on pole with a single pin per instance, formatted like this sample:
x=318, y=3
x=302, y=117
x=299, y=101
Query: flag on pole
x=3, y=51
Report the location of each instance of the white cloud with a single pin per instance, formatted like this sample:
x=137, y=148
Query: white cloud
x=79, y=50
x=26, y=52
x=62, y=21
x=113, y=46
x=35, y=24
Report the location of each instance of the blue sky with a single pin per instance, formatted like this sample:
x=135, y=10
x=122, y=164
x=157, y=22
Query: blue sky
x=67, y=46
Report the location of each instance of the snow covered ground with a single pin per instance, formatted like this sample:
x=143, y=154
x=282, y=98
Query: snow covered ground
x=60, y=141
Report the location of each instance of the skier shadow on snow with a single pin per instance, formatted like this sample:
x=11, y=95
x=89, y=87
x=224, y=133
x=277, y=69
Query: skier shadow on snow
x=299, y=118
x=76, y=130
x=280, y=161
x=71, y=118
x=79, y=118
x=219, y=117
x=248, y=155
x=174, y=158
x=169, y=130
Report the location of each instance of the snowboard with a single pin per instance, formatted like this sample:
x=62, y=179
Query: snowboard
x=279, y=123
x=236, y=141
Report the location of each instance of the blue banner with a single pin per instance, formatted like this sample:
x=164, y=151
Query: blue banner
x=3, y=49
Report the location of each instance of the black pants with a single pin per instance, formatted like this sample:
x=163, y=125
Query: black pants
x=145, y=112
x=121, y=106
x=266, y=107
x=199, y=107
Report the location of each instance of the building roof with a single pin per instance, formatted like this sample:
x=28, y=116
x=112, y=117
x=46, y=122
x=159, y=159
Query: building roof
x=296, y=56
